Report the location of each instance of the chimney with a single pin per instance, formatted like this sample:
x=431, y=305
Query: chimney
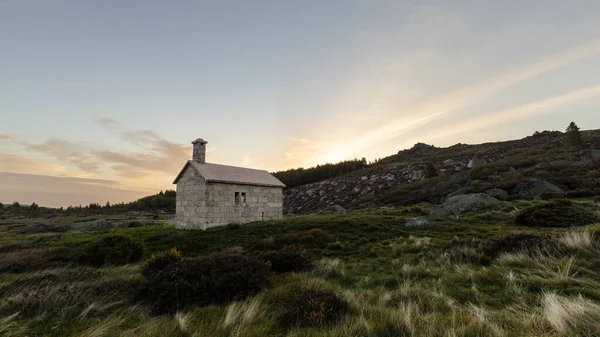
x=199, y=154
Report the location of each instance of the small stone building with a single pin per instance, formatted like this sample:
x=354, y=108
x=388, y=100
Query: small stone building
x=210, y=195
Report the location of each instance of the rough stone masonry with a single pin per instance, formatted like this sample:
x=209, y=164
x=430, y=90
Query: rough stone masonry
x=210, y=195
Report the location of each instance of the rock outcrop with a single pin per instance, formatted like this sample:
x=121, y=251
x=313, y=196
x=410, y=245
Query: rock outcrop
x=534, y=187
x=466, y=203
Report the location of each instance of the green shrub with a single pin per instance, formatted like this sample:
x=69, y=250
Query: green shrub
x=555, y=213
x=160, y=260
x=117, y=249
x=309, y=308
x=215, y=279
x=285, y=261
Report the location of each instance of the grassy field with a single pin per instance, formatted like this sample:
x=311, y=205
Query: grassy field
x=457, y=276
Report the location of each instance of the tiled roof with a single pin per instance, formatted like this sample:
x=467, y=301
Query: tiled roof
x=232, y=174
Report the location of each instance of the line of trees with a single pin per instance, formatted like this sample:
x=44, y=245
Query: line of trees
x=302, y=176
x=161, y=201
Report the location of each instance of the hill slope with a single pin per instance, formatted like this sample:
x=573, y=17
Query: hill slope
x=427, y=173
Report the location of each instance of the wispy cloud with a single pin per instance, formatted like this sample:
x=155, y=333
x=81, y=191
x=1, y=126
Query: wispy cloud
x=62, y=191
x=66, y=152
x=10, y=162
x=155, y=154
x=419, y=115
x=517, y=113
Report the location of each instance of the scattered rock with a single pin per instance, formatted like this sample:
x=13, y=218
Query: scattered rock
x=63, y=228
x=340, y=188
x=497, y=193
x=589, y=155
x=476, y=162
x=533, y=187
x=133, y=224
x=38, y=227
x=91, y=226
x=462, y=191
x=458, y=178
x=416, y=222
x=337, y=209
x=448, y=162
x=466, y=203
x=417, y=175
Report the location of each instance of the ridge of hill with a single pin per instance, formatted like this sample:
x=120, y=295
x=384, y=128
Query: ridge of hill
x=426, y=173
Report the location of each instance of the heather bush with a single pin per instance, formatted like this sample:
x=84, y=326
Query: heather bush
x=116, y=249
x=215, y=279
x=555, y=213
x=285, y=261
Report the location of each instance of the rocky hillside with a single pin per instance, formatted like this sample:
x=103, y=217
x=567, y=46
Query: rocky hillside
x=424, y=173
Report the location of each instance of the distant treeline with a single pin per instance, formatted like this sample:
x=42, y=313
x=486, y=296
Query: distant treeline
x=161, y=201
x=302, y=176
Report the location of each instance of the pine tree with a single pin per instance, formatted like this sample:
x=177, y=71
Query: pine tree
x=573, y=135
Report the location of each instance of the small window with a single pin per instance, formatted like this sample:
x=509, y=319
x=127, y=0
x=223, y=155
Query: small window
x=243, y=197
x=236, y=196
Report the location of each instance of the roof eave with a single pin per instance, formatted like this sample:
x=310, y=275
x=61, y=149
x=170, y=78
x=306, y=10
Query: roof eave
x=243, y=183
x=181, y=172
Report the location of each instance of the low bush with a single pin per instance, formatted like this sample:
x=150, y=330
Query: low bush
x=468, y=251
x=10, y=246
x=285, y=261
x=233, y=226
x=116, y=249
x=335, y=246
x=415, y=209
x=215, y=279
x=315, y=236
x=309, y=308
x=555, y=213
x=519, y=242
x=594, y=230
x=34, y=259
x=265, y=244
x=160, y=260
x=580, y=193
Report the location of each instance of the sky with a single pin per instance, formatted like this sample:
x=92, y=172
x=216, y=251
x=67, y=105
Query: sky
x=100, y=100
